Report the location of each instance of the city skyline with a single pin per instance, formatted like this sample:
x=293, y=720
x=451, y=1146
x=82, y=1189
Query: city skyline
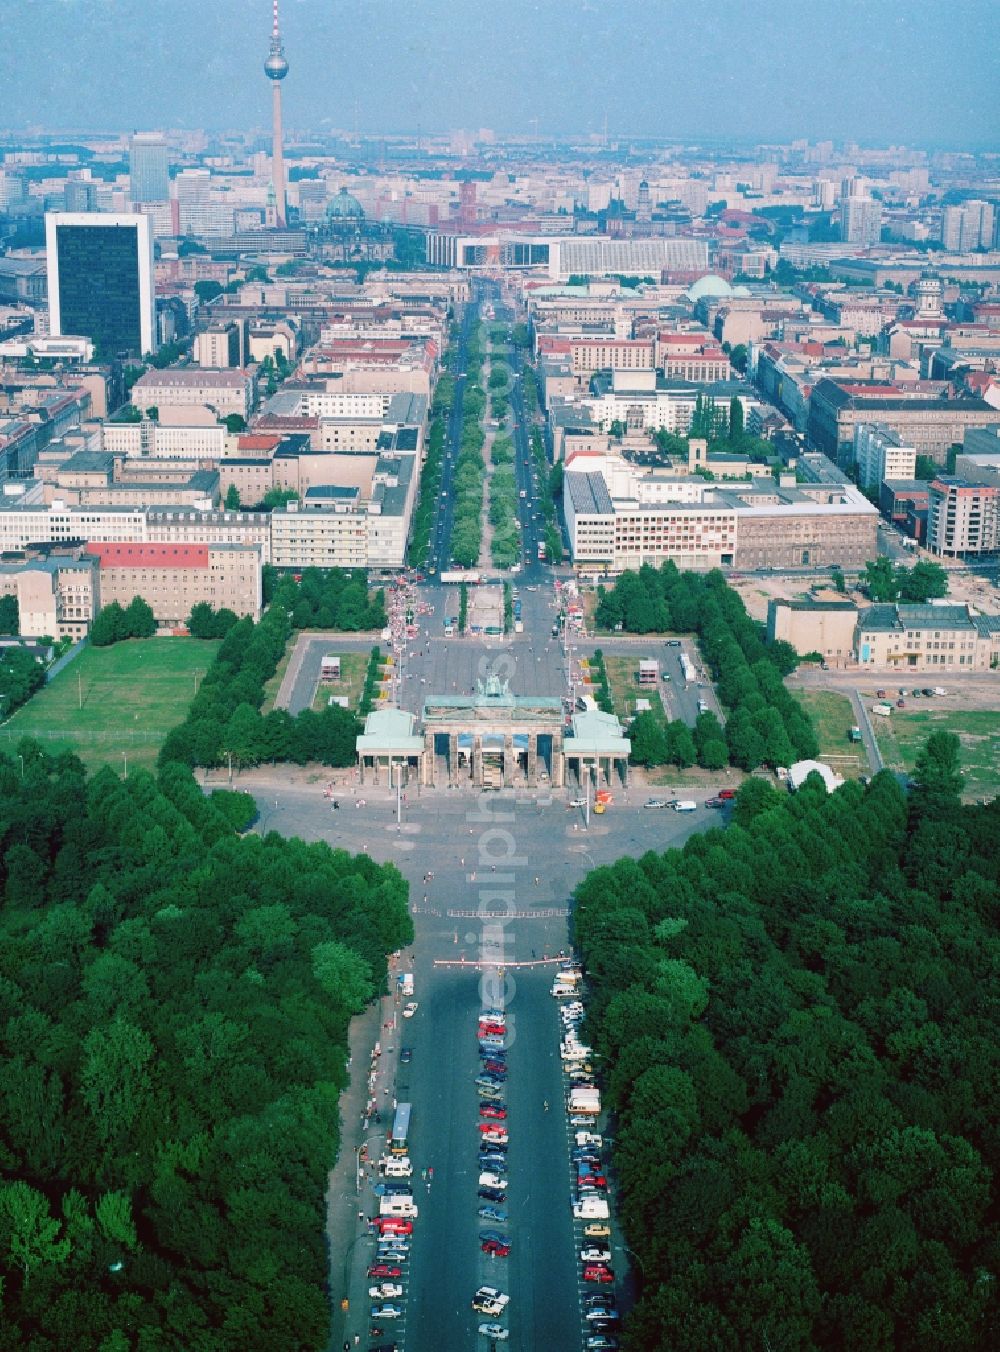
x=787, y=71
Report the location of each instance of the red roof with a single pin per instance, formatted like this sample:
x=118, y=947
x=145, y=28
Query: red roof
x=873, y=391
x=150, y=556
x=256, y=442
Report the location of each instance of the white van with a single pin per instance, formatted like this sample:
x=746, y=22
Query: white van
x=685, y=805
x=397, y=1167
x=589, y=1138
x=561, y=988
x=397, y=1206
x=590, y=1208
x=493, y=1181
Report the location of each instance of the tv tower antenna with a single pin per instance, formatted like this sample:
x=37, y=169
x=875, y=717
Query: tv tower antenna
x=276, y=68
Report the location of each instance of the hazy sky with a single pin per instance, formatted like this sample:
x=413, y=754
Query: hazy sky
x=871, y=70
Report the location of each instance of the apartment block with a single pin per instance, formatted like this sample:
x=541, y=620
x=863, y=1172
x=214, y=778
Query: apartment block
x=930, y=426
x=330, y=533
x=174, y=578
x=927, y=638
x=963, y=517
x=654, y=516
x=219, y=347
x=57, y=590
x=222, y=391
x=879, y=455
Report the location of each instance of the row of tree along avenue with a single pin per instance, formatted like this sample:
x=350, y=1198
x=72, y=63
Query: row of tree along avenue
x=225, y=723
x=175, y=1004
x=798, y=1019
x=765, y=724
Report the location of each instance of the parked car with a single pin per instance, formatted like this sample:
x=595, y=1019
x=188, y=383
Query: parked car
x=656, y=802
x=385, y=1290
x=719, y=802
x=492, y=1194
x=495, y=1332
x=496, y=1111
x=410, y=1009
x=597, y=1272
x=495, y=1250
x=384, y=1270
x=726, y=794
x=386, y=1312
x=595, y=1254
x=492, y=1213
x=405, y=1055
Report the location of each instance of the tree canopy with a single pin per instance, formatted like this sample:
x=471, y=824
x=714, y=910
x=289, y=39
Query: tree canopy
x=797, y=1017
x=175, y=1002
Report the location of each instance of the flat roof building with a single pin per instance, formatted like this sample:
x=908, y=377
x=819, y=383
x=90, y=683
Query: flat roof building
x=100, y=281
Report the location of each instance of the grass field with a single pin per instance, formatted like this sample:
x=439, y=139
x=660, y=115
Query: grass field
x=901, y=737
x=625, y=689
x=832, y=715
x=352, y=679
x=115, y=704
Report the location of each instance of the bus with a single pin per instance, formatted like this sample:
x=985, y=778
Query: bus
x=398, y=1144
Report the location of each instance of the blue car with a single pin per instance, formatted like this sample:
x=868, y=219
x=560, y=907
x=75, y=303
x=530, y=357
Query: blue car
x=492, y=1213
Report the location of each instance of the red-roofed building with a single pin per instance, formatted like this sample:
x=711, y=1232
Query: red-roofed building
x=172, y=578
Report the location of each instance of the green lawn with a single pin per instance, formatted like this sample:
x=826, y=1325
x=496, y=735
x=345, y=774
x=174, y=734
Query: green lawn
x=625, y=688
x=110, y=701
x=352, y=679
x=832, y=715
x=901, y=737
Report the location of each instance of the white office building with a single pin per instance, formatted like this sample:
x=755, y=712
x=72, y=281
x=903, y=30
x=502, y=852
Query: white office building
x=880, y=455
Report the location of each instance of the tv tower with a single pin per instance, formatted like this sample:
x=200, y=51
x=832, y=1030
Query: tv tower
x=276, y=68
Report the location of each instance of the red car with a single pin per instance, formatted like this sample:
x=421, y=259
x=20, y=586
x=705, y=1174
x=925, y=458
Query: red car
x=495, y=1249
x=393, y=1225
x=597, y=1272
x=492, y=1030
x=495, y=1067
x=384, y=1270
x=490, y=1110
x=726, y=794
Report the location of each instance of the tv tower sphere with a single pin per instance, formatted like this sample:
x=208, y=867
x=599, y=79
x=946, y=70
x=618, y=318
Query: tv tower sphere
x=276, y=67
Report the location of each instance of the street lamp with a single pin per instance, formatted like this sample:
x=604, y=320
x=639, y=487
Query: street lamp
x=125, y=759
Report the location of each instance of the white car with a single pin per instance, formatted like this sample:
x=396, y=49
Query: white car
x=385, y=1291
x=410, y=1009
x=495, y=1331
x=595, y=1255
x=578, y=802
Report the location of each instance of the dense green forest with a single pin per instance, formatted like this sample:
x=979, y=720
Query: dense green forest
x=799, y=1016
x=174, y=1001
x=766, y=725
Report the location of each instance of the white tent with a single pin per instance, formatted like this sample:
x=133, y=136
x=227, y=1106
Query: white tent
x=801, y=770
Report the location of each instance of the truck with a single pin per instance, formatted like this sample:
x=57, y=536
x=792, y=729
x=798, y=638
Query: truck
x=590, y=1208
x=459, y=575
x=883, y=710
x=405, y=983
x=854, y=734
x=518, y=627
x=585, y=1100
